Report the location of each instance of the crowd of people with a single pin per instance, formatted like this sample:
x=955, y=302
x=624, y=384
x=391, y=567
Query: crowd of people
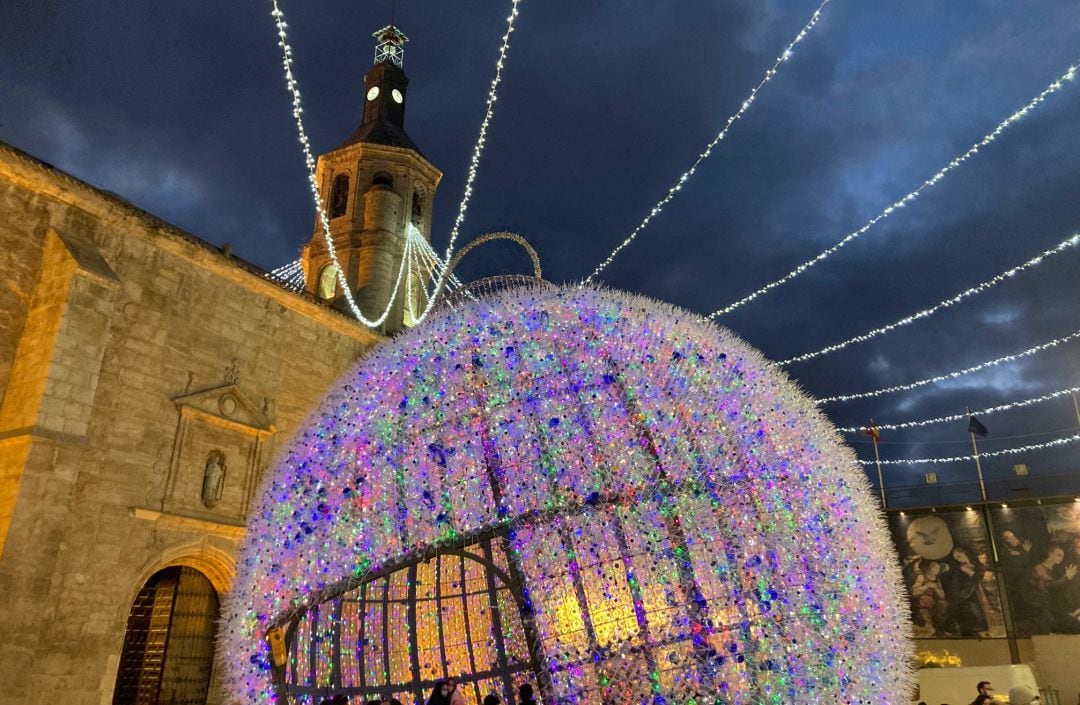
x=1018, y=695
x=445, y=692
x=448, y=692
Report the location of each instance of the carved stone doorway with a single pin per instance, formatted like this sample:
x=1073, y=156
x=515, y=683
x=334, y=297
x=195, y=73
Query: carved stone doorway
x=168, y=650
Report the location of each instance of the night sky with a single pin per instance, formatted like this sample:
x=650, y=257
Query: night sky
x=180, y=108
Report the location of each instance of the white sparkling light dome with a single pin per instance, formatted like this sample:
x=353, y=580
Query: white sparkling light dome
x=687, y=526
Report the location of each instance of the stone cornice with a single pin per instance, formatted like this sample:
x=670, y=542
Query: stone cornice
x=42, y=178
x=227, y=529
x=367, y=150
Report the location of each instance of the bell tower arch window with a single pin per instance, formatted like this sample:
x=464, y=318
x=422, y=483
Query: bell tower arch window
x=339, y=196
x=382, y=178
x=417, y=209
x=328, y=282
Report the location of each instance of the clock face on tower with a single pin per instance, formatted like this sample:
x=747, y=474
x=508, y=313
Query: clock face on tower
x=373, y=93
x=396, y=95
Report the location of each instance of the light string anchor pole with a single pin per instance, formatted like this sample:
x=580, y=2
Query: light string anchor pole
x=999, y=575
x=877, y=461
x=978, y=465
x=982, y=412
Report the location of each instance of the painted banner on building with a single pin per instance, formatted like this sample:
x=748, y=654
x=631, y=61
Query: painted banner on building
x=949, y=575
x=1039, y=547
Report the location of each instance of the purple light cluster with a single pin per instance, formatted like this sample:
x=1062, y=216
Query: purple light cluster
x=689, y=527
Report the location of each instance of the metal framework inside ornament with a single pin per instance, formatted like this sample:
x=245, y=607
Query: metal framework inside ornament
x=493, y=285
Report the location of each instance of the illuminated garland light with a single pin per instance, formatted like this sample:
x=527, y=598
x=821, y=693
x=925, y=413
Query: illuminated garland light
x=1054, y=87
x=481, y=140
x=413, y=241
x=927, y=312
x=424, y=265
x=773, y=70
x=436, y=264
x=950, y=375
x=290, y=275
x=409, y=300
x=474, y=161
x=992, y=454
x=309, y=161
x=959, y=417
x=647, y=473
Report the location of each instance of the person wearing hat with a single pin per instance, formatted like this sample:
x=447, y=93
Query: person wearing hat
x=1023, y=695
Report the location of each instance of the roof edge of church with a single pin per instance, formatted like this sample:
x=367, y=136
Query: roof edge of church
x=168, y=228
x=363, y=135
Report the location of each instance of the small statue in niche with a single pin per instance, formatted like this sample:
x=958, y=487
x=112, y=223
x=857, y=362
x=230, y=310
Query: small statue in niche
x=213, y=483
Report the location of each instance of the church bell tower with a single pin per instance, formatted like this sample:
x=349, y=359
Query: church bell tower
x=377, y=189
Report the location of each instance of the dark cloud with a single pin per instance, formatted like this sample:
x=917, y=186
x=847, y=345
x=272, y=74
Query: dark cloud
x=181, y=109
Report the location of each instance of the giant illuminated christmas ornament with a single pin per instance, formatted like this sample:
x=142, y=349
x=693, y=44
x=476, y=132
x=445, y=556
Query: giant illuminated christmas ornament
x=587, y=490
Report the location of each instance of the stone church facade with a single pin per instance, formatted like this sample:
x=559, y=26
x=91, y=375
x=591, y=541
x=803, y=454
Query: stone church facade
x=147, y=379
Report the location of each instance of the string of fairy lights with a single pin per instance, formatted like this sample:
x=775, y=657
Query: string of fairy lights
x=405, y=272
x=563, y=483
x=309, y=161
x=938, y=176
x=951, y=418
x=481, y=139
x=950, y=375
x=420, y=264
x=941, y=305
x=876, y=428
x=991, y=454
x=290, y=275
x=474, y=162
x=424, y=265
x=1068, y=243
x=785, y=55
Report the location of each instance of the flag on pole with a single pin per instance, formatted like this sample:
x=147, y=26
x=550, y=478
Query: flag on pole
x=975, y=426
x=872, y=431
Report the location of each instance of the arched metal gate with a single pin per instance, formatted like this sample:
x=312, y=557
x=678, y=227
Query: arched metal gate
x=456, y=614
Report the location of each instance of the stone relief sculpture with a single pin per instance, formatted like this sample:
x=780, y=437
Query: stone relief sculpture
x=213, y=479
x=232, y=372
